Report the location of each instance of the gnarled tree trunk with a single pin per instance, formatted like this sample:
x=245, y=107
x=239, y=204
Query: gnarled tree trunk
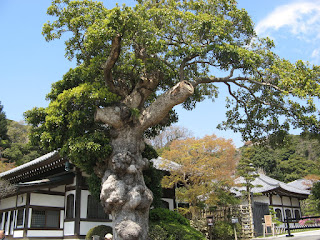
x=124, y=193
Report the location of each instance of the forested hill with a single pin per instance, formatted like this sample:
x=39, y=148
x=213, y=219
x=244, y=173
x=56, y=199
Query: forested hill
x=296, y=158
x=15, y=148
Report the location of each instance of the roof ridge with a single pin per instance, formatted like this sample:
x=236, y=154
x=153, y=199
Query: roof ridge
x=33, y=162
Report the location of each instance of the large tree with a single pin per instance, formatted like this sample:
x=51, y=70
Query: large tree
x=136, y=63
x=206, y=166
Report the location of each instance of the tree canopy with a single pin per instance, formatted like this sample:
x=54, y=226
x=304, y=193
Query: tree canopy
x=136, y=63
x=205, y=172
x=296, y=158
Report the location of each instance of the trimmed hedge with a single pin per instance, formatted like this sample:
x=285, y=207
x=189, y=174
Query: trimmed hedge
x=100, y=230
x=170, y=225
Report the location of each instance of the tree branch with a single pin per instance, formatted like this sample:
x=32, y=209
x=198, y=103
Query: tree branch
x=164, y=103
x=111, y=61
x=113, y=116
x=237, y=99
x=183, y=64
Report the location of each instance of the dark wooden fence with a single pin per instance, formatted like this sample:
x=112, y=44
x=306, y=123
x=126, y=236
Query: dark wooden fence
x=295, y=220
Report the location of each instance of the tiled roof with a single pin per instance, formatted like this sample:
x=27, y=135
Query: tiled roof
x=45, y=163
x=301, y=183
x=266, y=184
x=164, y=164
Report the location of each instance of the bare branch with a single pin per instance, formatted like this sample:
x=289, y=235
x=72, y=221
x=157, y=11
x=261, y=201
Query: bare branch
x=214, y=79
x=183, y=64
x=237, y=99
x=251, y=93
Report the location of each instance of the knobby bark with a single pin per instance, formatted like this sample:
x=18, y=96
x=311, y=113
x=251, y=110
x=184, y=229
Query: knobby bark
x=124, y=193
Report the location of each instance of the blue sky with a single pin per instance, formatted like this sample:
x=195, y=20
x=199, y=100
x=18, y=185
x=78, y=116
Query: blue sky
x=29, y=64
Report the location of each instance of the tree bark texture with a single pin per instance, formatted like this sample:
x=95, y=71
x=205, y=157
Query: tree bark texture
x=124, y=193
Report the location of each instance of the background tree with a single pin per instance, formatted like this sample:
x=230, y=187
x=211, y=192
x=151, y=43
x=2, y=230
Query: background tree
x=136, y=63
x=167, y=135
x=206, y=167
x=248, y=173
x=296, y=158
x=3, y=129
x=316, y=196
x=19, y=150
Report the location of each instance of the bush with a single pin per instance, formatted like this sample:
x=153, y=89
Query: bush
x=165, y=215
x=222, y=230
x=170, y=225
x=100, y=230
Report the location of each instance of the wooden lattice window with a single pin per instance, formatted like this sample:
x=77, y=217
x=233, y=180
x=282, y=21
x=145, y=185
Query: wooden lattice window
x=70, y=206
x=95, y=210
x=45, y=218
x=20, y=217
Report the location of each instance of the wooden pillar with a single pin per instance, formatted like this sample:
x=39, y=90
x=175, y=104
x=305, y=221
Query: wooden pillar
x=77, y=203
x=283, y=213
x=26, y=218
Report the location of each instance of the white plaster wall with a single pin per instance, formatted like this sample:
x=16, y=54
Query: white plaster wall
x=12, y=222
x=286, y=201
x=45, y=233
x=18, y=234
x=68, y=228
x=8, y=203
x=276, y=200
x=61, y=218
x=84, y=203
x=58, y=189
x=29, y=217
x=262, y=199
x=170, y=201
x=71, y=192
x=295, y=202
x=86, y=226
x=6, y=227
x=22, y=200
x=39, y=199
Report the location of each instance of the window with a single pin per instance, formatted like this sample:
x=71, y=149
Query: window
x=70, y=206
x=278, y=214
x=20, y=214
x=95, y=210
x=45, y=218
x=165, y=204
x=288, y=213
x=297, y=214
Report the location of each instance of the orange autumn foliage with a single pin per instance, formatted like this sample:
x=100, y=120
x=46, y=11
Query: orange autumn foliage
x=206, y=165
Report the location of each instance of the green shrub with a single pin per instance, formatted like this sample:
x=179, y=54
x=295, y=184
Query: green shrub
x=165, y=215
x=170, y=225
x=100, y=230
x=222, y=230
x=156, y=232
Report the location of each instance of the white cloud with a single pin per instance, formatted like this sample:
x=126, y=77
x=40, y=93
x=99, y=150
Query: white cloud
x=300, y=18
x=316, y=55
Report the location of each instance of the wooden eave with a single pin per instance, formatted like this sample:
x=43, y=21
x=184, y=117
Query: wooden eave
x=39, y=170
x=283, y=192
